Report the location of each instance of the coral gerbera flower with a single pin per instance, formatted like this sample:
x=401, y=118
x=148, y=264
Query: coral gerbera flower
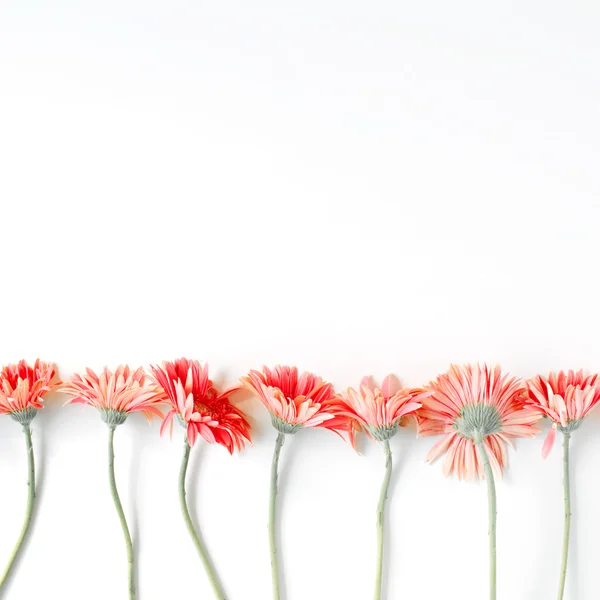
x=294, y=402
x=471, y=404
x=565, y=398
x=116, y=395
x=379, y=411
x=204, y=412
x=22, y=390
x=197, y=403
x=479, y=410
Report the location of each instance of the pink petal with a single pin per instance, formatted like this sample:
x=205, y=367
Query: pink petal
x=549, y=441
x=390, y=386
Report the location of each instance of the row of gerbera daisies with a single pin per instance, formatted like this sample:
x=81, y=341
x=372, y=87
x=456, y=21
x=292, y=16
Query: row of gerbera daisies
x=475, y=408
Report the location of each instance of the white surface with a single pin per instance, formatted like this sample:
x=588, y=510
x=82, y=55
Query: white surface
x=353, y=188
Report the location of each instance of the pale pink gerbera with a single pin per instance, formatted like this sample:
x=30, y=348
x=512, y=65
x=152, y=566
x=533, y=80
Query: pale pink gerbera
x=199, y=405
x=473, y=404
x=479, y=410
x=22, y=388
x=116, y=394
x=294, y=400
x=566, y=398
x=379, y=411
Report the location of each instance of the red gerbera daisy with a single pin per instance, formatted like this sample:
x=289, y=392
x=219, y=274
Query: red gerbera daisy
x=198, y=404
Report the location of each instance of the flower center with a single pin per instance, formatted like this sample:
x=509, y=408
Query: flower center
x=477, y=421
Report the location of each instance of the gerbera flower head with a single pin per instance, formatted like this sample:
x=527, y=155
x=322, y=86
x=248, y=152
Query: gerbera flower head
x=379, y=411
x=473, y=404
x=115, y=393
x=23, y=387
x=565, y=398
x=199, y=406
x=296, y=400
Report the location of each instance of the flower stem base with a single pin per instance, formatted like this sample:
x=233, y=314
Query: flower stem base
x=381, y=517
x=29, y=506
x=273, y=515
x=489, y=477
x=119, y=507
x=202, y=552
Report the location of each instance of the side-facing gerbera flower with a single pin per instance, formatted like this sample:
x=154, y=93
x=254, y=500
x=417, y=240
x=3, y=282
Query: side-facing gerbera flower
x=380, y=411
x=22, y=391
x=116, y=395
x=205, y=412
x=294, y=402
x=478, y=409
x=565, y=398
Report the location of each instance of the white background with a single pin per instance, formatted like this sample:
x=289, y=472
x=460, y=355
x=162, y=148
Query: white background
x=352, y=187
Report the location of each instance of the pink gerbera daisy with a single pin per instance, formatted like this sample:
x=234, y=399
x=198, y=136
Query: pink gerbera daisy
x=478, y=410
x=22, y=391
x=199, y=405
x=379, y=411
x=472, y=404
x=116, y=394
x=294, y=402
x=565, y=398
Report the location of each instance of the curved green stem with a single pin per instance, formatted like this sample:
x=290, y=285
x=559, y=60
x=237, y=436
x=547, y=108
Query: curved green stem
x=567, y=525
x=272, y=514
x=119, y=507
x=489, y=477
x=210, y=571
x=28, y=509
x=381, y=517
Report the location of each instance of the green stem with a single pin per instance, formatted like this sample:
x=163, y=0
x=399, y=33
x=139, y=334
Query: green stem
x=489, y=477
x=210, y=571
x=28, y=509
x=272, y=514
x=567, y=525
x=381, y=517
x=119, y=507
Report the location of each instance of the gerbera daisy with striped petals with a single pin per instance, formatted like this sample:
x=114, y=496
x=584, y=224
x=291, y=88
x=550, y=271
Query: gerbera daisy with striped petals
x=116, y=394
x=22, y=390
x=205, y=412
x=565, y=398
x=295, y=401
x=379, y=411
x=478, y=409
x=198, y=404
